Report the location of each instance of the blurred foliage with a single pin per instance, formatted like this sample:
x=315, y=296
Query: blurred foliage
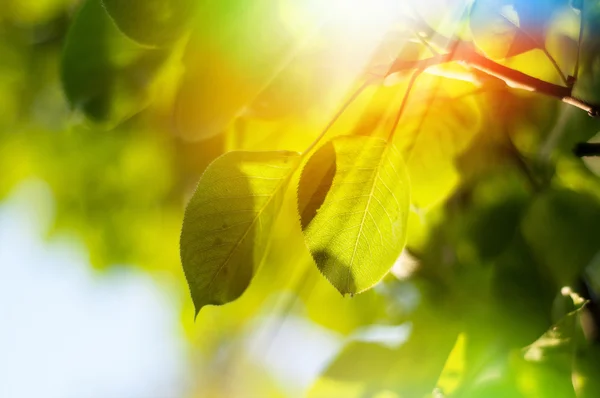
x=120, y=106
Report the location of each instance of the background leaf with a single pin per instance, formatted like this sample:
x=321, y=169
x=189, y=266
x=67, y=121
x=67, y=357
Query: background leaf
x=359, y=230
x=561, y=227
x=235, y=48
x=104, y=74
x=228, y=221
x=411, y=369
x=505, y=28
x=433, y=131
x=152, y=22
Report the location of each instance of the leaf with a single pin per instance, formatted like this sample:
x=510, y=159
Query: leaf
x=495, y=29
x=522, y=297
x=561, y=227
x=587, y=86
x=235, y=49
x=354, y=202
x=454, y=368
x=585, y=375
x=410, y=369
x=432, y=133
x=505, y=28
x=545, y=367
x=104, y=74
x=228, y=220
x=555, y=342
x=151, y=22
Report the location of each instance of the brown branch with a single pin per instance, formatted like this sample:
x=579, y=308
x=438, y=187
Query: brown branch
x=584, y=149
x=466, y=54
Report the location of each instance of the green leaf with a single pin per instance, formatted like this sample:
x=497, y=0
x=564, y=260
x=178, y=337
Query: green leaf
x=587, y=86
x=104, y=74
x=556, y=342
x=522, y=297
x=410, y=369
x=235, y=49
x=587, y=363
x=228, y=220
x=354, y=203
x=151, y=22
x=561, y=227
x=545, y=367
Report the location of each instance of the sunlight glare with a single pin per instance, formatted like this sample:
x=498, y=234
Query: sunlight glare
x=367, y=16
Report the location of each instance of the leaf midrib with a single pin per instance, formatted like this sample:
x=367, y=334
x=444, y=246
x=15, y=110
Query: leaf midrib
x=250, y=226
x=362, y=222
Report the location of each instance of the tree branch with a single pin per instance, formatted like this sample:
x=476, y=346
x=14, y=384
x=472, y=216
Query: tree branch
x=587, y=149
x=466, y=54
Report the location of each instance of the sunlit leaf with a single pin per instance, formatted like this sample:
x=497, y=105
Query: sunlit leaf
x=228, y=220
x=454, y=369
x=434, y=130
x=354, y=202
x=153, y=22
x=104, y=73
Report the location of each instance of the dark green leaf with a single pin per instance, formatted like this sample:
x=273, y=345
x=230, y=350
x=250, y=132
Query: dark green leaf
x=587, y=86
x=561, y=227
x=104, y=74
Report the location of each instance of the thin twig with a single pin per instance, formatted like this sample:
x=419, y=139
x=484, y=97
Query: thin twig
x=337, y=115
x=580, y=40
x=425, y=42
x=409, y=148
x=520, y=162
x=466, y=55
x=542, y=47
x=409, y=88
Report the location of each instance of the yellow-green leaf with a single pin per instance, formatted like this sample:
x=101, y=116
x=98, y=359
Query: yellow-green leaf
x=433, y=132
x=354, y=200
x=234, y=50
x=228, y=220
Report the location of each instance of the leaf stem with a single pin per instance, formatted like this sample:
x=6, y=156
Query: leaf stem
x=404, y=102
x=580, y=40
x=337, y=115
